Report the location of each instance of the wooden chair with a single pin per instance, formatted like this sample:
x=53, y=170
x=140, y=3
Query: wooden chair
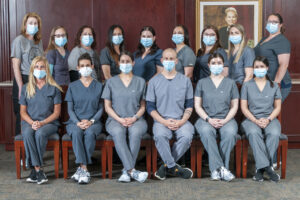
x=146, y=142
x=67, y=145
x=53, y=143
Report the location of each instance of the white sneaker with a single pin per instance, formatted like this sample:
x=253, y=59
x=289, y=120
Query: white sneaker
x=138, y=175
x=226, y=175
x=215, y=175
x=77, y=174
x=84, y=177
x=124, y=177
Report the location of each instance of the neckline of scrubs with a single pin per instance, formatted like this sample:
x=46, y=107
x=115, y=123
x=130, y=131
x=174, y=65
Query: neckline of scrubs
x=60, y=54
x=214, y=83
x=263, y=42
x=181, y=49
x=123, y=82
x=41, y=87
x=258, y=87
x=89, y=84
x=170, y=80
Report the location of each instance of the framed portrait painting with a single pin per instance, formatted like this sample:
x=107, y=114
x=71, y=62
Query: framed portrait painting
x=224, y=13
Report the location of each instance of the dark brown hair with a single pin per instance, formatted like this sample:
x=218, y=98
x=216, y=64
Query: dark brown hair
x=78, y=35
x=217, y=45
x=266, y=62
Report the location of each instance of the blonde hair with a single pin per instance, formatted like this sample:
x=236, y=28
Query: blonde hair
x=231, y=9
x=242, y=44
x=51, y=44
x=30, y=89
x=38, y=36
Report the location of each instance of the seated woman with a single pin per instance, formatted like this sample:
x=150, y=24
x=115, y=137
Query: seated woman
x=216, y=103
x=124, y=98
x=40, y=108
x=85, y=110
x=261, y=104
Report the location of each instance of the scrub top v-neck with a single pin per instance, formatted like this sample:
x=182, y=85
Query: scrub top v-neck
x=216, y=101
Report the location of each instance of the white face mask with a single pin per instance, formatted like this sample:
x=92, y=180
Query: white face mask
x=85, y=71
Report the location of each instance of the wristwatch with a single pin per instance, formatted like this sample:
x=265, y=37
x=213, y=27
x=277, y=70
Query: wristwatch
x=92, y=120
x=207, y=118
x=136, y=117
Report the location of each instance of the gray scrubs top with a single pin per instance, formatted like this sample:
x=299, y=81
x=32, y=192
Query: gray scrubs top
x=41, y=105
x=170, y=95
x=261, y=104
x=237, y=70
x=216, y=102
x=60, y=66
x=25, y=50
x=186, y=58
x=125, y=101
x=86, y=100
x=107, y=59
x=201, y=67
x=271, y=49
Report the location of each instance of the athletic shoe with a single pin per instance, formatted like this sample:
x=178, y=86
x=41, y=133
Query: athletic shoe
x=161, y=172
x=124, y=177
x=84, y=177
x=76, y=176
x=138, y=175
x=272, y=174
x=215, y=175
x=259, y=175
x=226, y=175
x=177, y=170
x=41, y=177
x=32, y=177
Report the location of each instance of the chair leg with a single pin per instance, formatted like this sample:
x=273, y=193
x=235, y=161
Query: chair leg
x=238, y=152
x=56, y=158
x=245, y=157
x=148, y=158
x=279, y=149
x=103, y=161
x=154, y=158
x=23, y=156
x=65, y=152
x=284, y=149
x=193, y=158
x=109, y=150
x=199, y=160
x=18, y=159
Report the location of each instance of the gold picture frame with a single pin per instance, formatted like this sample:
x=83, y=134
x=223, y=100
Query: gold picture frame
x=213, y=12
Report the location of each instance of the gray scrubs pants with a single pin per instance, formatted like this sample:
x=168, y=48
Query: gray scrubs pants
x=84, y=141
x=35, y=142
x=263, y=151
x=127, y=153
x=217, y=157
x=285, y=93
x=162, y=135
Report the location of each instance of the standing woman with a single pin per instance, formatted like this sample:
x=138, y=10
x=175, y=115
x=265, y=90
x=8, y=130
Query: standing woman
x=124, y=97
x=216, y=103
x=85, y=42
x=148, y=55
x=185, y=55
x=261, y=104
x=210, y=43
x=24, y=49
x=85, y=110
x=57, y=55
x=109, y=56
x=40, y=108
x=276, y=48
x=240, y=56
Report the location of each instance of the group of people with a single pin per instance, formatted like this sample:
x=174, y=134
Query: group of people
x=160, y=82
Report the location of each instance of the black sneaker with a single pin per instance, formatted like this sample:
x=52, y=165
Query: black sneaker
x=41, y=177
x=259, y=175
x=32, y=177
x=185, y=173
x=161, y=172
x=272, y=174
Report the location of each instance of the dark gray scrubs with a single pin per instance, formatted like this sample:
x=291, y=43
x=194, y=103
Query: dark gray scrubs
x=107, y=59
x=186, y=58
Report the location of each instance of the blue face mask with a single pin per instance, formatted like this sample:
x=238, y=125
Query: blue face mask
x=61, y=41
x=39, y=74
x=216, y=69
x=87, y=40
x=169, y=65
x=32, y=29
x=260, y=72
x=126, y=68
x=235, y=39
x=177, y=38
x=209, y=40
x=146, y=42
x=117, y=39
x=272, y=28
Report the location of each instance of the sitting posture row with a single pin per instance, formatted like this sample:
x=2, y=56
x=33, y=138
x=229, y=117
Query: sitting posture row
x=169, y=99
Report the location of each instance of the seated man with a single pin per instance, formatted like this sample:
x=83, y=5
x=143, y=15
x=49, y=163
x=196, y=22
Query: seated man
x=170, y=103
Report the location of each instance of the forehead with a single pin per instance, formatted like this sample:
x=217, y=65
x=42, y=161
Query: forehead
x=169, y=53
x=234, y=29
x=40, y=63
x=125, y=57
x=60, y=30
x=209, y=31
x=178, y=28
x=260, y=63
x=31, y=19
x=117, y=29
x=87, y=30
x=84, y=62
x=146, y=32
x=230, y=13
x=218, y=59
x=273, y=18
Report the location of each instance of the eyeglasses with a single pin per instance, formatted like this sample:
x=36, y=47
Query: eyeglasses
x=39, y=67
x=212, y=34
x=60, y=35
x=273, y=22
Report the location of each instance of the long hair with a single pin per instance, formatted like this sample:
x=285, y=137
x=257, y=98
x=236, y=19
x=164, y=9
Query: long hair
x=78, y=35
x=186, y=40
x=217, y=45
x=266, y=62
x=110, y=44
x=242, y=44
x=141, y=48
x=38, y=36
x=282, y=30
x=30, y=89
x=51, y=44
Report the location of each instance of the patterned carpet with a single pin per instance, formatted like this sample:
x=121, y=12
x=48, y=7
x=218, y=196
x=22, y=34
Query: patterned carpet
x=171, y=188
